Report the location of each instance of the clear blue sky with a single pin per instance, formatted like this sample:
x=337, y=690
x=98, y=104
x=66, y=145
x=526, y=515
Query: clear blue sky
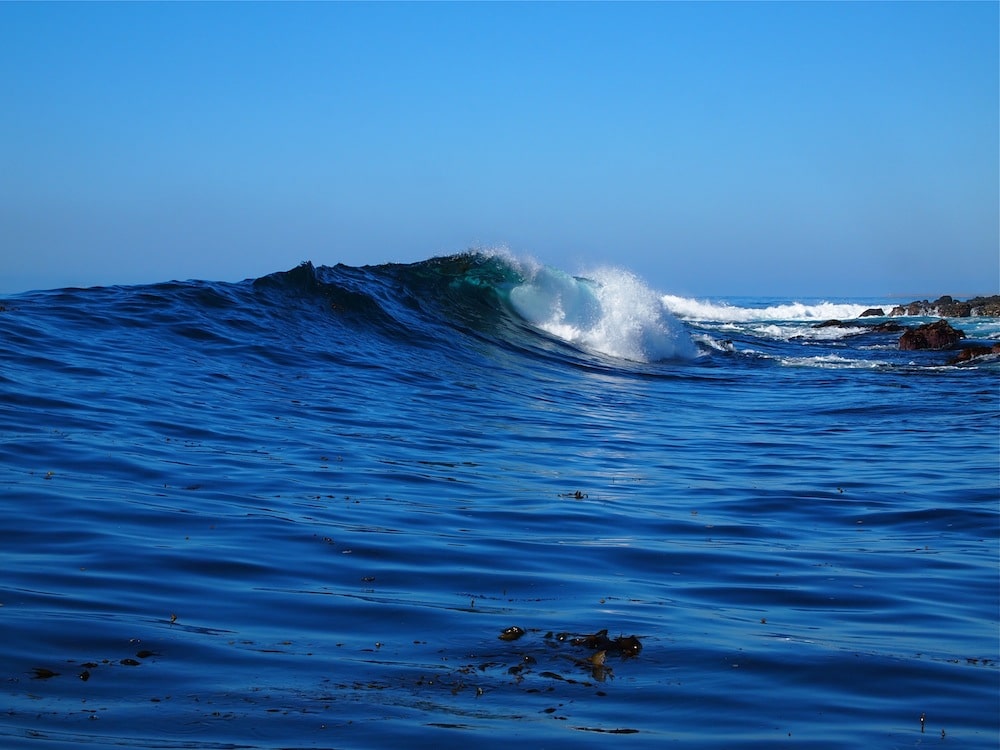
x=841, y=149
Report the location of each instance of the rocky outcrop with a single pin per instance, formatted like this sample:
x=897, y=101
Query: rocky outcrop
x=973, y=352
x=938, y=335
x=987, y=306
x=835, y=323
x=948, y=307
x=888, y=326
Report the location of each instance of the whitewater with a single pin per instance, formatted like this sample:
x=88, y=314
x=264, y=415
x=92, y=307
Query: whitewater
x=477, y=499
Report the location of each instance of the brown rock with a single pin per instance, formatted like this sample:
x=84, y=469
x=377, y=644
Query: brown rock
x=971, y=352
x=889, y=326
x=953, y=309
x=873, y=312
x=938, y=335
x=834, y=323
x=947, y=306
x=987, y=306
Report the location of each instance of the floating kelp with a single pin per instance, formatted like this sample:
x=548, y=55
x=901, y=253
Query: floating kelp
x=599, y=641
x=86, y=668
x=512, y=633
x=624, y=645
x=596, y=664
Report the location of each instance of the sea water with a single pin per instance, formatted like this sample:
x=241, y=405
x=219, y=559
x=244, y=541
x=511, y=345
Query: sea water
x=399, y=505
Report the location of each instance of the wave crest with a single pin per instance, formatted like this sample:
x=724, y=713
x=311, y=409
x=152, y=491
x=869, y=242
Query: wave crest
x=493, y=292
x=613, y=313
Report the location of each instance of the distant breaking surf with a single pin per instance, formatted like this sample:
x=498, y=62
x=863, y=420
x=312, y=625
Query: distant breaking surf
x=693, y=309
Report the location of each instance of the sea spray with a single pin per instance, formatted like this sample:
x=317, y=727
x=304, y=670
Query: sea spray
x=612, y=312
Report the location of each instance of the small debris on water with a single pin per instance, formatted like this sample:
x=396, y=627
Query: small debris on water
x=512, y=633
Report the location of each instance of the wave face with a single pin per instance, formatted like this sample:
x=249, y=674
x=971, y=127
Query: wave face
x=424, y=504
x=526, y=304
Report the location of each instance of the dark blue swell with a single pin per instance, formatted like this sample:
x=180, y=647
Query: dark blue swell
x=301, y=510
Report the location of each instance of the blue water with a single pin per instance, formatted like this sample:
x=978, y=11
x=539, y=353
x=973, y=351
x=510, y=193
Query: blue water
x=301, y=510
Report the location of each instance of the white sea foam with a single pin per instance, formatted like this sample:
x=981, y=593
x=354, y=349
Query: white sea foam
x=791, y=331
x=612, y=312
x=832, y=362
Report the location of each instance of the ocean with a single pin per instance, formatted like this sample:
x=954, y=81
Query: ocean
x=479, y=501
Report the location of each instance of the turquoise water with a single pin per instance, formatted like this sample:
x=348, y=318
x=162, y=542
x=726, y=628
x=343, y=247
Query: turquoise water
x=302, y=510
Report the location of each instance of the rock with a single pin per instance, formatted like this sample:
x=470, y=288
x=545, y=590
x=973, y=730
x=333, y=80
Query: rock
x=972, y=352
x=947, y=306
x=939, y=335
x=986, y=306
x=914, y=309
x=873, y=312
x=834, y=323
x=889, y=326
